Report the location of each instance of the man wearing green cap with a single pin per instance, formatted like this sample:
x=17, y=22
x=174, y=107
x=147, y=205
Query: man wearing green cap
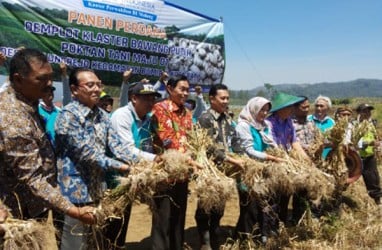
x=284, y=135
x=106, y=102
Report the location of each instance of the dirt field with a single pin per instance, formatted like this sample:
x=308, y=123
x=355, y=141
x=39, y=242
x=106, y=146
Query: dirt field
x=138, y=235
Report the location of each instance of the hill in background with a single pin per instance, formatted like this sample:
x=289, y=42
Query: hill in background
x=335, y=90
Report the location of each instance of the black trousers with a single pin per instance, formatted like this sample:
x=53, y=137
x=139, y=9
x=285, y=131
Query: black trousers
x=282, y=207
x=371, y=178
x=208, y=223
x=300, y=205
x=169, y=216
x=249, y=214
x=115, y=231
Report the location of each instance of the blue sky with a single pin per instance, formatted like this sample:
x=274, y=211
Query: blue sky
x=297, y=41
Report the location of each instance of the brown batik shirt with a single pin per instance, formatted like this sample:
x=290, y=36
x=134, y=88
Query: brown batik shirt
x=27, y=161
x=221, y=129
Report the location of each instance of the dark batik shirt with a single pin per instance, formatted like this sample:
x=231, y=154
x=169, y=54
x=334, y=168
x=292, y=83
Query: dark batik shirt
x=27, y=162
x=223, y=133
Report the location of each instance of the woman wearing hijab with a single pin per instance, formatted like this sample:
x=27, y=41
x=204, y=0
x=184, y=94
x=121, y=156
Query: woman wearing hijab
x=256, y=136
x=254, y=130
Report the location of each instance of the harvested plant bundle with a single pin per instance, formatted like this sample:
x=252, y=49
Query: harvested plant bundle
x=144, y=180
x=28, y=234
x=253, y=177
x=335, y=163
x=266, y=178
x=213, y=190
x=213, y=187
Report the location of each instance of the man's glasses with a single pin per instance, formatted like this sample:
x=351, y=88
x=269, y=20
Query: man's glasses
x=92, y=85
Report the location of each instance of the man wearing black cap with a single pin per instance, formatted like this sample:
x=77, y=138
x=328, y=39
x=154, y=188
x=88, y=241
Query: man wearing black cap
x=123, y=99
x=366, y=148
x=132, y=123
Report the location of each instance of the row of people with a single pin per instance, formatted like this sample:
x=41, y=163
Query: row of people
x=90, y=145
x=87, y=147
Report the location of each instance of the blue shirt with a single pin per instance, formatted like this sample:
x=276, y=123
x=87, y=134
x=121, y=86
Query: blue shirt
x=134, y=132
x=49, y=118
x=324, y=125
x=84, y=139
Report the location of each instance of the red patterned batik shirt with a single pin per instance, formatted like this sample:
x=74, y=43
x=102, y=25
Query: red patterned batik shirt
x=171, y=125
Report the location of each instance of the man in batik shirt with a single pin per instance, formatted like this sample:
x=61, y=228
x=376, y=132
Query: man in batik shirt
x=219, y=125
x=305, y=129
x=83, y=137
x=27, y=163
x=171, y=121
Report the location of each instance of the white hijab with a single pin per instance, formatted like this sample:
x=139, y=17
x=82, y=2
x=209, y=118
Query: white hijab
x=249, y=114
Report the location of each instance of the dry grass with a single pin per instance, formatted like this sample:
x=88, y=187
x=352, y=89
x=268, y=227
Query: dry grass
x=213, y=187
x=28, y=234
x=349, y=218
x=352, y=222
x=263, y=179
x=144, y=180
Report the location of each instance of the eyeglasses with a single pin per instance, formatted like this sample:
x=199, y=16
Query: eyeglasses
x=91, y=85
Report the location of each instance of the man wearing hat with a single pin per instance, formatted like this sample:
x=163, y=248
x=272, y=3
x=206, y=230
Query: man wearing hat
x=366, y=148
x=124, y=97
x=343, y=112
x=106, y=102
x=48, y=111
x=284, y=135
x=132, y=123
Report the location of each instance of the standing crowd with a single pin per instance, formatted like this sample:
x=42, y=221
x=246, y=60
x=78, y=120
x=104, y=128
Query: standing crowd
x=64, y=159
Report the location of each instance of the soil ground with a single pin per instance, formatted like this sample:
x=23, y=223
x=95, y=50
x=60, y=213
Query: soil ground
x=138, y=235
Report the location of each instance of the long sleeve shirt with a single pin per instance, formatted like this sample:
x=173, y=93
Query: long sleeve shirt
x=134, y=132
x=27, y=161
x=250, y=143
x=220, y=128
x=283, y=132
x=84, y=141
x=162, y=90
x=200, y=106
x=124, y=95
x=67, y=94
